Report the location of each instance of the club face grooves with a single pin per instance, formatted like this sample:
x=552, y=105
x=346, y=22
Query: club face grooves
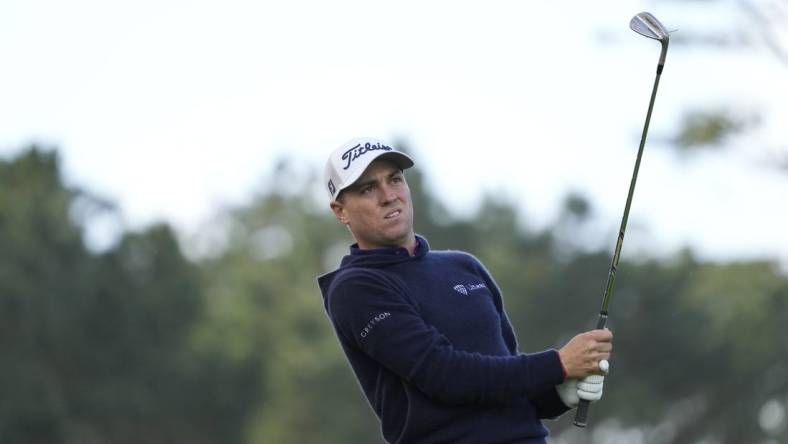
x=647, y=25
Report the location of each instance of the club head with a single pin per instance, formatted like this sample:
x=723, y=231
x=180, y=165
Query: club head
x=647, y=25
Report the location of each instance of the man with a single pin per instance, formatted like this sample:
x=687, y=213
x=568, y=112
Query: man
x=426, y=332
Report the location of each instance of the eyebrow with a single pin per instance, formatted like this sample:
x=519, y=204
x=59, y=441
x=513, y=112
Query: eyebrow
x=359, y=185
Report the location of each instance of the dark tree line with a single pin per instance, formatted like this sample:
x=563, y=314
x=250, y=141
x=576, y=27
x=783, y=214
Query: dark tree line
x=139, y=344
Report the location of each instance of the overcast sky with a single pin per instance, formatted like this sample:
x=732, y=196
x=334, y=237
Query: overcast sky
x=173, y=109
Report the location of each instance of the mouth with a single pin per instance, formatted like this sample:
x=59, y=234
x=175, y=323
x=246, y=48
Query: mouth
x=392, y=214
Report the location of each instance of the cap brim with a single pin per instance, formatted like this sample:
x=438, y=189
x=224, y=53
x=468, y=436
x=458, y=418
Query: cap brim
x=402, y=160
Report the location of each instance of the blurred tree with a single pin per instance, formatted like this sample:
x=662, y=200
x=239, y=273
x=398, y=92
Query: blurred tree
x=138, y=344
x=711, y=128
x=262, y=291
x=743, y=24
x=744, y=27
x=98, y=348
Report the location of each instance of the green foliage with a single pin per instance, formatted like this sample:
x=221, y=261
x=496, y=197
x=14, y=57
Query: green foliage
x=139, y=344
x=712, y=128
x=98, y=348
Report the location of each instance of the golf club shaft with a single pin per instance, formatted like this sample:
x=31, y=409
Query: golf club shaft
x=582, y=409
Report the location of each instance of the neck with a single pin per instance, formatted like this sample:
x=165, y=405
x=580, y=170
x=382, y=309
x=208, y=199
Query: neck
x=409, y=244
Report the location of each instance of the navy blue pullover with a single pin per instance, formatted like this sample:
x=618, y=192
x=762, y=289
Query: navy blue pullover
x=433, y=350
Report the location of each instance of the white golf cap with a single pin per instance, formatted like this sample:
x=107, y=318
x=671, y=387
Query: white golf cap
x=348, y=162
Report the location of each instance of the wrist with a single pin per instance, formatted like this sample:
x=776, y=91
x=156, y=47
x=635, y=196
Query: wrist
x=563, y=367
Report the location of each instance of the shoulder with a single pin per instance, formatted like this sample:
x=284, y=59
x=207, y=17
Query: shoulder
x=353, y=276
x=458, y=257
x=453, y=255
x=357, y=282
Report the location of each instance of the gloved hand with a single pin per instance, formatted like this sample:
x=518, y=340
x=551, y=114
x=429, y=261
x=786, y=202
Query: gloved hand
x=589, y=388
x=567, y=391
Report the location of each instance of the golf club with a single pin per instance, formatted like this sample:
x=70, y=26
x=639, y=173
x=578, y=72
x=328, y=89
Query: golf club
x=646, y=25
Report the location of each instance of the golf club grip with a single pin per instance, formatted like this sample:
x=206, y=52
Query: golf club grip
x=581, y=415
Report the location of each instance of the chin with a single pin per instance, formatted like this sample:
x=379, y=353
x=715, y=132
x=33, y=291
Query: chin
x=402, y=238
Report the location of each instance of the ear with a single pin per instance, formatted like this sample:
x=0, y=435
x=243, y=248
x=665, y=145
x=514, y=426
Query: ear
x=339, y=212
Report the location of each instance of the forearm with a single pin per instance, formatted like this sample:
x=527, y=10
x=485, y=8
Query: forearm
x=460, y=377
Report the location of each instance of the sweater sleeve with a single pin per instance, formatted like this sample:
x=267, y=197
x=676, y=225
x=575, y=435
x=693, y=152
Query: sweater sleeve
x=548, y=405
x=374, y=315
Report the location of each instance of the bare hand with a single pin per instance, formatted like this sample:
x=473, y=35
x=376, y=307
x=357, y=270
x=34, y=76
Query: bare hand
x=581, y=355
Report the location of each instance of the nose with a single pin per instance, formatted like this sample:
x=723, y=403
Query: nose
x=387, y=194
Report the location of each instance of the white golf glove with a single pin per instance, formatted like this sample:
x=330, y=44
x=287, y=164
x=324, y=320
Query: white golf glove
x=589, y=388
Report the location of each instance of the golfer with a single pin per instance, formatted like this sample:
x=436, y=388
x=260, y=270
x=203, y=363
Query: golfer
x=426, y=332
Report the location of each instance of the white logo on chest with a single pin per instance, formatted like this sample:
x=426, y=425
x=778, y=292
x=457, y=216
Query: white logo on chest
x=461, y=289
x=467, y=288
